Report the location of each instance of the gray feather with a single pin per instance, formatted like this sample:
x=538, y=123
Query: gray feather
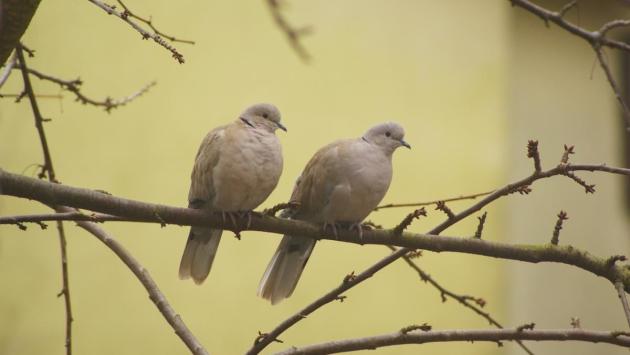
x=199, y=253
x=285, y=268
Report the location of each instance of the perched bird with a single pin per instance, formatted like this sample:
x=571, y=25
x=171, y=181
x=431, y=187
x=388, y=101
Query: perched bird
x=341, y=184
x=237, y=166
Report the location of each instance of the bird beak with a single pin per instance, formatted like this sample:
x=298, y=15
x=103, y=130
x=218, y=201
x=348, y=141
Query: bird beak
x=405, y=144
x=281, y=126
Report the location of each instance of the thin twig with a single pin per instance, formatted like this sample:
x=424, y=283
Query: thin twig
x=624, y=301
x=149, y=22
x=74, y=86
x=597, y=39
x=293, y=34
x=428, y=203
x=494, y=335
x=473, y=303
x=48, y=170
x=156, y=296
x=111, y=10
x=599, y=51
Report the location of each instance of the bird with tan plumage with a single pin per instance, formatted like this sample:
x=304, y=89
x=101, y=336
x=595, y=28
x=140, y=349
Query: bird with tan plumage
x=341, y=184
x=237, y=166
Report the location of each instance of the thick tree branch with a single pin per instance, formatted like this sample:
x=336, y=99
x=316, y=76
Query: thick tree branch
x=156, y=296
x=494, y=335
x=56, y=194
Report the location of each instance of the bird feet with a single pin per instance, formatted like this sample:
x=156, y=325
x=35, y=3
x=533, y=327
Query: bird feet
x=359, y=227
x=353, y=226
x=233, y=215
x=333, y=227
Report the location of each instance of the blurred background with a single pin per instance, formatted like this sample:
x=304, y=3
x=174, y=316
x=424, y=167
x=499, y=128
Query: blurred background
x=471, y=81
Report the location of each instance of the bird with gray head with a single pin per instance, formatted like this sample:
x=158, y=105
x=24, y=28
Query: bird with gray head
x=237, y=166
x=341, y=184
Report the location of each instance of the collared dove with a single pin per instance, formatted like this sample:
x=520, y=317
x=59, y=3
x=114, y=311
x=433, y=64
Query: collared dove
x=237, y=166
x=342, y=183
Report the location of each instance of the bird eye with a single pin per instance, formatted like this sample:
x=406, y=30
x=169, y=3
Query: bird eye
x=388, y=133
x=265, y=115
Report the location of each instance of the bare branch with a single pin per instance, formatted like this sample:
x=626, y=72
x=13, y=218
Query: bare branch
x=473, y=303
x=156, y=296
x=111, y=10
x=613, y=84
x=597, y=40
x=293, y=34
x=428, y=203
x=149, y=22
x=624, y=301
x=494, y=335
x=74, y=86
x=49, y=170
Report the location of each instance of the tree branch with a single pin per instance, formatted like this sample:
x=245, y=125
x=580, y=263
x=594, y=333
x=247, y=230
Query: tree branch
x=74, y=86
x=293, y=34
x=498, y=335
x=156, y=296
x=124, y=15
x=473, y=303
x=428, y=203
x=597, y=39
x=49, y=170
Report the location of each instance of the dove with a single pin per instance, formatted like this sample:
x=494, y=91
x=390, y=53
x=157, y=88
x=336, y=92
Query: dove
x=341, y=184
x=237, y=166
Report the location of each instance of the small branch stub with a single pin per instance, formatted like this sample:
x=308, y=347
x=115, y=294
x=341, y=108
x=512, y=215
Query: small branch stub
x=532, y=152
x=423, y=327
x=408, y=219
x=562, y=216
x=482, y=221
x=441, y=206
x=527, y=326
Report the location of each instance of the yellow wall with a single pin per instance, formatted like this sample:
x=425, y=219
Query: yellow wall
x=437, y=67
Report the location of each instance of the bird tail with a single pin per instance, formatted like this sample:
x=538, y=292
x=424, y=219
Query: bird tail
x=285, y=268
x=199, y=253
